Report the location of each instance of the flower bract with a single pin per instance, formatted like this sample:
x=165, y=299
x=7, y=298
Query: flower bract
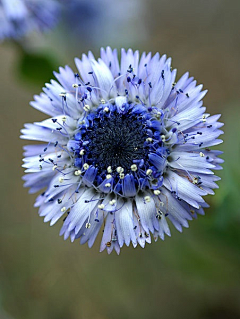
x=126, y=149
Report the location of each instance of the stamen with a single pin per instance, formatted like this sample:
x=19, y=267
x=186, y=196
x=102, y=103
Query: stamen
x=78, y=172
x=85, y=166
x=109, y=169
x=120, y=169
x=61, y=179
x=112, y=202
x=147, y=199
x=134, y=167
x=82, y=152
x=86, y=107
x=149, y=172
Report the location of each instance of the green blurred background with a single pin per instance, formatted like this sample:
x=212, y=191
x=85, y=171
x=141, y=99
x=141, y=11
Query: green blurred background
x=195, y=274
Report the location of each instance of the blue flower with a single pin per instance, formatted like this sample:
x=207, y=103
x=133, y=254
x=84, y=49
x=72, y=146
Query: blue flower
x=126, y=149
x=20, y=17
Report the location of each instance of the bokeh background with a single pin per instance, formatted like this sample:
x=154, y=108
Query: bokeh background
x=195, y=274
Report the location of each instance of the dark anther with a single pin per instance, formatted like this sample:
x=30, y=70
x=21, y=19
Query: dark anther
x=54, y=120
x=128, y=79
x=56, y=186
x=90, y=72
x=45, y=149
x=126, y=91
x=56, y=143
x=139, y=81
x=180, y=90
x=59, y=201
x=89, y=89
x=200, y=133
x=150, y=85
x=187, y=95
x=162, y=74
x=130, y=69
x=59, y=128
x=76, y=75
x=207, y=158
x=209, y=126
x=174, y=130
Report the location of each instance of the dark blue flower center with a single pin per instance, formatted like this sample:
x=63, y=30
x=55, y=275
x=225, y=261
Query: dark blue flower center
x=116, y=140
x=120, y=149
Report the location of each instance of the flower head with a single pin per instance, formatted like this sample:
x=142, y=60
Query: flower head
x=19, y=17
x=126, y=149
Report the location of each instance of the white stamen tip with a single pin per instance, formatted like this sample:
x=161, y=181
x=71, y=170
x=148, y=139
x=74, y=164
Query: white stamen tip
x=86, y=107
x=88, y=225
x=75, y=85
x=157, y=192
x=201, y=154
x=85, y=166
x=102, y=101
x=163, y=137
x=149, y=139
x=109, y=169
x=195, y=180
x=107, y=185
x=149, y=172
x=63, y=94
x=78, y=172
x=112, y=202
x=54, y=167
x=61, y=179
x=64, y=118
x=82, y=152
x=106, y=110
x=147, y=199
x=108, y=176
x=158, y=115
x=121, y=175
x=63, y=209
x=101, y=206
x=134, y=167
x=120, y=169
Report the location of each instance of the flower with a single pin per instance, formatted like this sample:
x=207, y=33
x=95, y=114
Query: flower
x=125, y=150
x=19, y=17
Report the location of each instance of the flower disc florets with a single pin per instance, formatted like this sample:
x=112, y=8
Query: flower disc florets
x=125, y=139
x=126, y=149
